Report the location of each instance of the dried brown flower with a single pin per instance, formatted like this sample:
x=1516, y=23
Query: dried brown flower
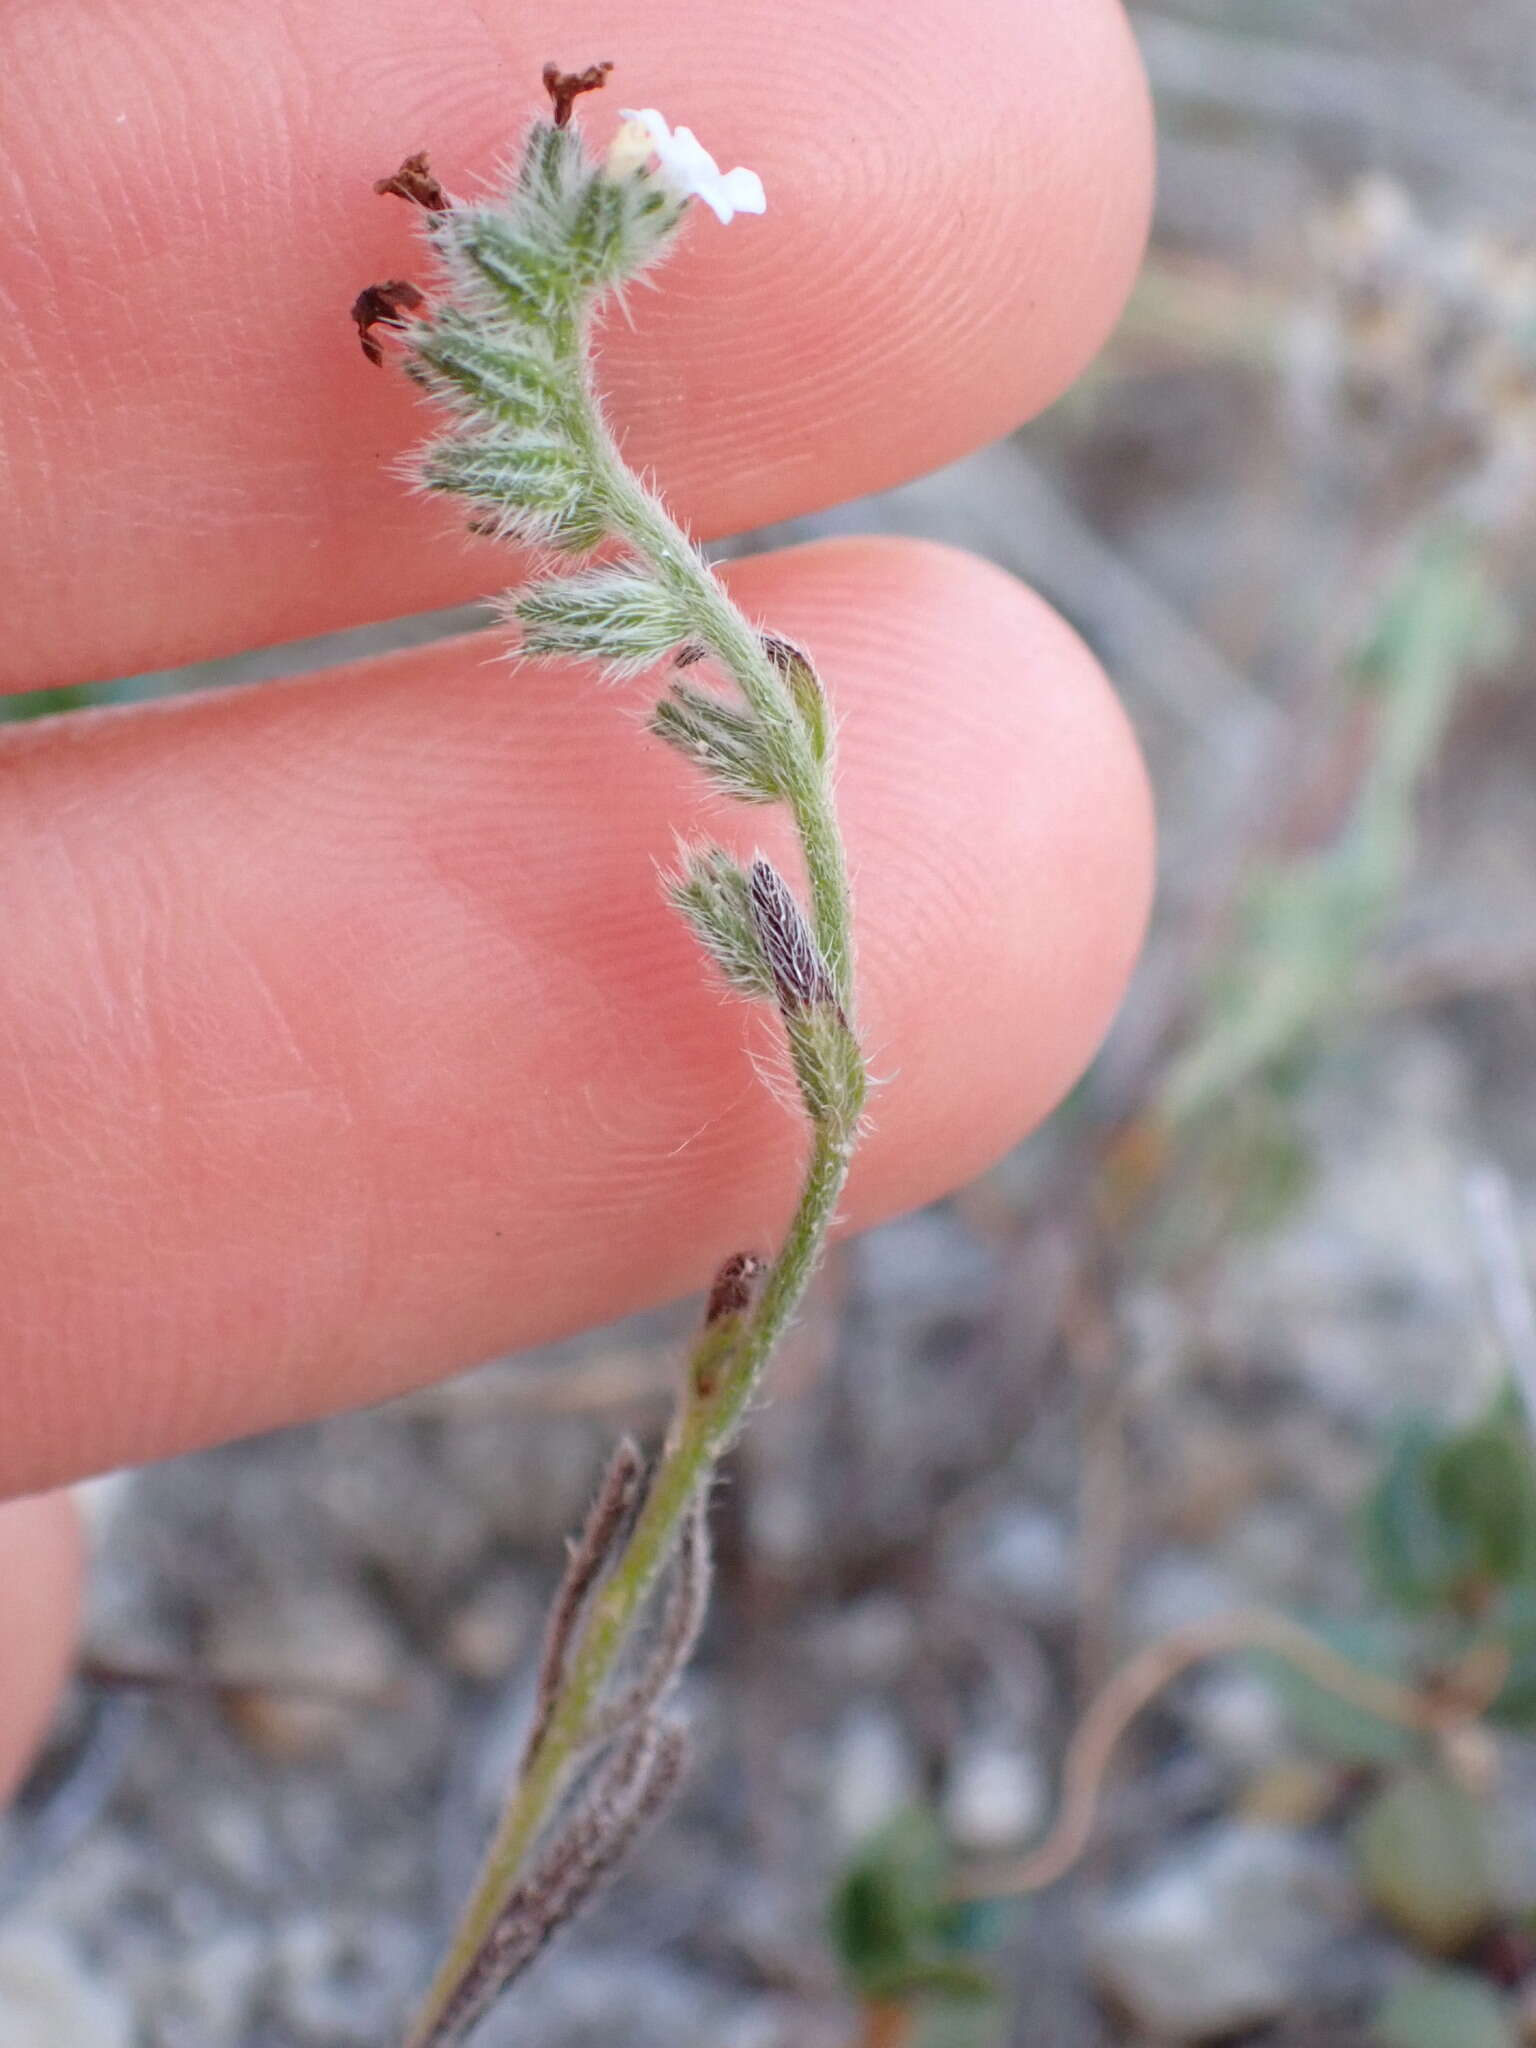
x=383, y=305
x=415, y=183
x=563, y=87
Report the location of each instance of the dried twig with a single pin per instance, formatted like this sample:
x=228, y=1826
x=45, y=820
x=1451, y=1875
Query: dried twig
x=1433, y=1711
x=617, y=1494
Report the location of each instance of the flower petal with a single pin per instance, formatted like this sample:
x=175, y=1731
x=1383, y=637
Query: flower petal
x=744, y=189
x=689, y=169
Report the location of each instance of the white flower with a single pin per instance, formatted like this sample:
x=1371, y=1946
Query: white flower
x=687, y=167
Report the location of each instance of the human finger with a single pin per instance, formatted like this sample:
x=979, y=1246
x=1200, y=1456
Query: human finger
x=345, y=1037
x=196, y=455
x=40, y=1572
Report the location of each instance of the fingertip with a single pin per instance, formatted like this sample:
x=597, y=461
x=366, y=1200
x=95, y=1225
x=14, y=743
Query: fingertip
x=1030, y=906
x=41, y=1574
x=957, y=203
x=434, y=1072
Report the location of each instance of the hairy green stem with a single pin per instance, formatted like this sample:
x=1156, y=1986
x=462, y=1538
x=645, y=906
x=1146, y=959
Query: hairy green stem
x=711, y=1406
x=641, y=520
x=721, y=627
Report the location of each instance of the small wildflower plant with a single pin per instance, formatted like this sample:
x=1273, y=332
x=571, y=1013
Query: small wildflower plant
x=501, y=341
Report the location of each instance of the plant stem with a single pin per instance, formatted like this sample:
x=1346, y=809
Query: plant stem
x=885, y=2023
x=640, y=519
x=708, y=1415
x=1432, y=1712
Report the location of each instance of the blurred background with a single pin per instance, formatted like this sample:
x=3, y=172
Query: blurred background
x=1166, y=1498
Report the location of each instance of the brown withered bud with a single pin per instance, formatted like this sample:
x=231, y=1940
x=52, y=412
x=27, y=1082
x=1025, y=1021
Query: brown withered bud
x=564, y=87
x=799, y=672
x=415, y=183
x=733, y=1288
x=383, y=305
x=783, y=653
x=618, y=1495
x=690, y=652
x=802, y=980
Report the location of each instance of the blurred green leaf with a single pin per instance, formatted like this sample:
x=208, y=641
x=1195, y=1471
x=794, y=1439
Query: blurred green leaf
x=957, y=1983
x=972, y=1927
x=889, y=1905
x=1444, y=2009
x=1337, y=1728
x=1422, y=1854
x=963, y=2025
x=903, y=1940
x=1417, y=1554
x=1484, y=1483
x=1454, y=1512
x=1513, y=1623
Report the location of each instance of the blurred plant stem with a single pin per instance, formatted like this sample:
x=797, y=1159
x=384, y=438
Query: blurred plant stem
x=887, y=2023
x=1304, y=921
x=1211, y=1146
x=1454, y=1699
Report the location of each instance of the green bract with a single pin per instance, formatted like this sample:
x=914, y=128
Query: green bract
x=503, y=346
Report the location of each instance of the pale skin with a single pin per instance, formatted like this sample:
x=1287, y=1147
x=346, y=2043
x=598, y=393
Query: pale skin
x=345, y=1038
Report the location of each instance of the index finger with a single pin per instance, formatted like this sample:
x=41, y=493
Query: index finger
x=197, y=454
